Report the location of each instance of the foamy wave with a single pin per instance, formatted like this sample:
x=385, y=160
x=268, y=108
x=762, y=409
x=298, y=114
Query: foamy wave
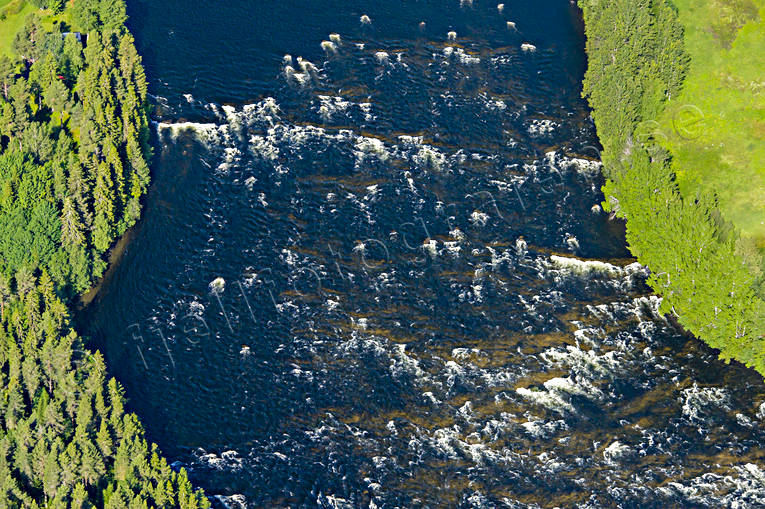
x=699, y=404
x=541, y=127
x=557, y=393
x=616, y=452
x=232, y=501
x=461, y=56
x=606, y=365
x=366, y=147
x=743, y=487
x=204, y=131
x=544, y=429
x=588, y=267
x=227, y=460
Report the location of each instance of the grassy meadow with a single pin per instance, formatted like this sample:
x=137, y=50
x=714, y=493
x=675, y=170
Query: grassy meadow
x=715, y=128
x=12, y=16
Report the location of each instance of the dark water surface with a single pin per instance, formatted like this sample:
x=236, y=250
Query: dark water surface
x=375, y=275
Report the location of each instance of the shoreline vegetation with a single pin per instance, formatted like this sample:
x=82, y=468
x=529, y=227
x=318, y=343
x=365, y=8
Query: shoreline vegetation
x=667, y=83
x=74, y=146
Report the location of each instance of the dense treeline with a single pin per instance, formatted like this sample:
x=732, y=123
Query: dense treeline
x=73, y=169
x=66, y=439
x=636, y=64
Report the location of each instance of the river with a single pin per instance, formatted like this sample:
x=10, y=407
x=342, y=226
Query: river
x=372, y=272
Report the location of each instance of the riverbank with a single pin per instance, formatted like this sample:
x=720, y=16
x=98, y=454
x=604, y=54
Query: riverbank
x=73, y=171
x=664, y=135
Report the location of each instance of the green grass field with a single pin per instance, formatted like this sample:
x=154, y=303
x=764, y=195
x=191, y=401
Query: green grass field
x=715, y=129
x=12, y=16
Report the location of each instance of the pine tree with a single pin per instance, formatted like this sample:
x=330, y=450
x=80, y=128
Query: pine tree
x=130, y=66
x=43, y=73
x=51, y=474
x=85, y=14
x=71, y=226
x=53, y=419
x=7, y=74
x=25, y=281
x=73, y=58
x=80, y=498
x=46, y=288
x=14, y=409
x=5, y=293
x=104, y=439
x=122, y=462
x=56, y=95
x=25, y=42
x=31, y=373
x=92, y=467
x=115, y=162
x=113, y=15
x=84, y=417
x=117, y=401
x=71, y=461
x=19, y=95
x=103, y=205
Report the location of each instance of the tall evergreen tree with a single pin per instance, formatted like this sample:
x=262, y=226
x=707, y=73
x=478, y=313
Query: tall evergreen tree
x=69, y=182
x=71, y=226
x=7, y=74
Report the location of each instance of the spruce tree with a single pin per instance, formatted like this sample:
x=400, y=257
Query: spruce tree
x=7, y=74
x=71, y=227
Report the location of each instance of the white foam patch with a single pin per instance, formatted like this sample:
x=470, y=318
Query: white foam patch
x=541, y=127
x=479, y=218
x=701, y=403
x=496, y=105
x=606, y=365
x=232, y=501
x=463, y=354
x=461, y=55
x=588, y=267
x=560, y=269
x=402, y=363
x=217, y=285
x=227, y=460
x=331, y=106
x=333, y=502
x=544, y=429
x=616, y=452
x=552, y=400
x=429, y=157
x=585, y=167
x=743, y=487
x=430, y=246
x=329, y=46
x=204, y=131
x=453, y=248
x=370, y=147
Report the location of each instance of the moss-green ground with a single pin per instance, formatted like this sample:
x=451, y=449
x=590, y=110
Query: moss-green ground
x=715, y=129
